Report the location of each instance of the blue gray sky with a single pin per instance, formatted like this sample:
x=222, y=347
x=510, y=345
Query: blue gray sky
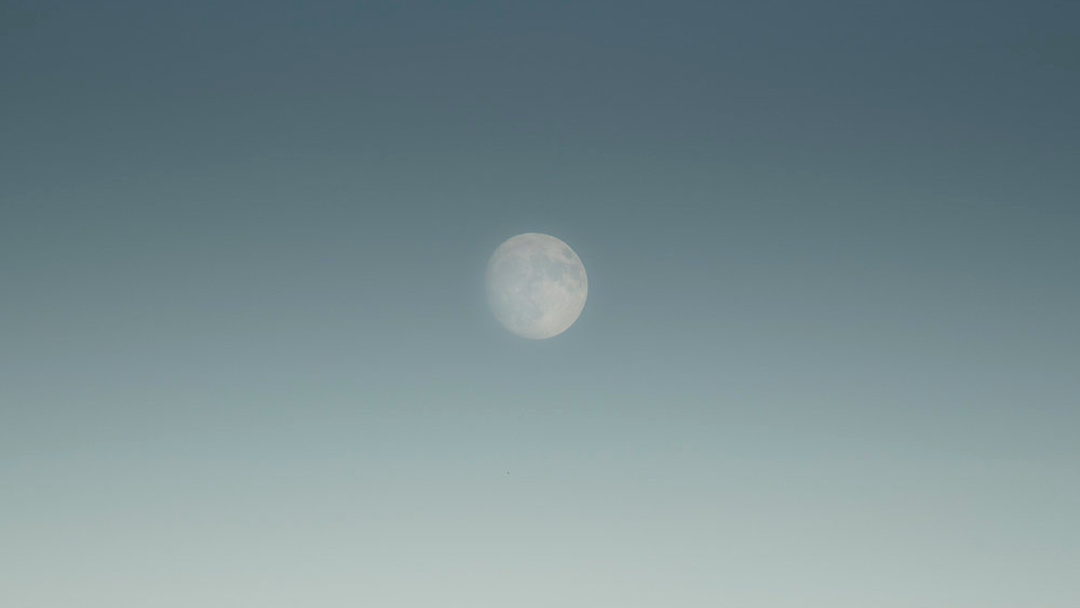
x=829, y=356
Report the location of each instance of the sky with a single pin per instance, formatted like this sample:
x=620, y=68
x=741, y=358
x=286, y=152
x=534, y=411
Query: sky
x=829, y=356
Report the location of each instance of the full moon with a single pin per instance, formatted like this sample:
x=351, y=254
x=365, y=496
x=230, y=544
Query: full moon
x=536, y=285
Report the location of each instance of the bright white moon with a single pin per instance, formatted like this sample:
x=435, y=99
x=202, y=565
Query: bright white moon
x=536, y=285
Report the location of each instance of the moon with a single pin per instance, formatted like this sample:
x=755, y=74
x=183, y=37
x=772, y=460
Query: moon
x=536, y=285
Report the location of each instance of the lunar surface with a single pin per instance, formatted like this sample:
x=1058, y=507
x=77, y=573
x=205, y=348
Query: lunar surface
x=536, y=285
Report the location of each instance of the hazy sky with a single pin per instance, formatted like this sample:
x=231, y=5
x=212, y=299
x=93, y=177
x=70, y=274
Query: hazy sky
x=829, y=357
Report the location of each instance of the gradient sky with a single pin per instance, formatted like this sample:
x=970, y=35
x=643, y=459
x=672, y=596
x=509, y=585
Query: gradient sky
x=829, y=357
